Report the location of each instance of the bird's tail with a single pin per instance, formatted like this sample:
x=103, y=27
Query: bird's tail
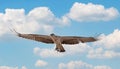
x=59, y=48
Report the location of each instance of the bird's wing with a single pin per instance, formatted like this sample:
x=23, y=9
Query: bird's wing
x=87, y=39
x=36, y=37
x=76, y=40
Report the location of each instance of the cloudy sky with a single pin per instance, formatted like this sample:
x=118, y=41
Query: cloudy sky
x=97, y=18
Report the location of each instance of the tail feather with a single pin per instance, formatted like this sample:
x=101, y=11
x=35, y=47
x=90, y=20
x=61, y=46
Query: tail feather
x=60, y=48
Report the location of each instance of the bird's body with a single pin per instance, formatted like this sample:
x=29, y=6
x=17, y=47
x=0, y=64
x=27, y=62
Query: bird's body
x=58, y=40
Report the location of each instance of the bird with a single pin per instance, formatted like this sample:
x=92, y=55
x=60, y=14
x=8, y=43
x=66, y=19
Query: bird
x=57, y=40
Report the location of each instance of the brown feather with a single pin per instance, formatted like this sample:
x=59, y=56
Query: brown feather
x=87, y=39
x=76, y=40
x=40, y=38
x=59, y=40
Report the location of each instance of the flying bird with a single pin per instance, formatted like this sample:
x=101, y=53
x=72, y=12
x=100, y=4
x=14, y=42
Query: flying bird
x=58, y=40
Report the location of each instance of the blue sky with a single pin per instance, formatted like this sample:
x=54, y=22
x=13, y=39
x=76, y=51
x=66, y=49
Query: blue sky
x=62, y=17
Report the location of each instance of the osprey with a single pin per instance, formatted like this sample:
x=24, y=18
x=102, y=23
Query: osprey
x=58, y=40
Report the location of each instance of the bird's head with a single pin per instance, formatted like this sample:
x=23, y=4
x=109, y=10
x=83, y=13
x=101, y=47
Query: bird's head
x=52, y=34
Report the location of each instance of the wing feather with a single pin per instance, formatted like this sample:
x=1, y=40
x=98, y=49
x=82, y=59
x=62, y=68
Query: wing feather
x=39, y=38
x=87, y=39
x=76, y=40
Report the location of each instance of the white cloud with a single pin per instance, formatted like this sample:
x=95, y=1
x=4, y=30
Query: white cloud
x=77, y=48
x=36, y=50
x=40, y=63
x=102, y=67
x=2, y=26
x=75, y=65
x=101, y=53
x=70, y=50
x=46, y=52
x=107, y=47
x=110, y=41
x=45, y=15
x=42, y=14
x=24, y=67
x=39, y=19
x=80, y=65
x=91, y=12
x=16, y=18
x=8, y=67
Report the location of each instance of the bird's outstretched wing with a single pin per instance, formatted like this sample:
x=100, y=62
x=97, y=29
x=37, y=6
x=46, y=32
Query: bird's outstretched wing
x=76, y=40
x=36, y=37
